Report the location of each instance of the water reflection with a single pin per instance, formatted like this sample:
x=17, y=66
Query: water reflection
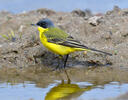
x=44, y=85
x=67, y=89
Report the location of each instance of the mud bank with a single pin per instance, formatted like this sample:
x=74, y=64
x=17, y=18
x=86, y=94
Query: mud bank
x=20, y=46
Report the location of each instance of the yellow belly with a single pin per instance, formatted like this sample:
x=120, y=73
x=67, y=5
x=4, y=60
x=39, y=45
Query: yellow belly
x=55, y=48
x=58, y=49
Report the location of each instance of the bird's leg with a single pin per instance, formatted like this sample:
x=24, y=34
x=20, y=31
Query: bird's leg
x=59, y=62
x=65, y=61
x=68, y=79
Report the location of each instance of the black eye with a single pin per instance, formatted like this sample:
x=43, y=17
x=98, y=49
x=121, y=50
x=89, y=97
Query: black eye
x=43, y=23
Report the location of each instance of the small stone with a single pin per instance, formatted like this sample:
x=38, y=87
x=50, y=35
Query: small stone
x=94, y=20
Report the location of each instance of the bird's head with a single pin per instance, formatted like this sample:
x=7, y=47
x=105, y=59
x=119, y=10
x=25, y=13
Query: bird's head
x=45, y=23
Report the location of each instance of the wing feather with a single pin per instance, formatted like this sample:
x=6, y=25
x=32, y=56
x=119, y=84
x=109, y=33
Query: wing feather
x=57, y=36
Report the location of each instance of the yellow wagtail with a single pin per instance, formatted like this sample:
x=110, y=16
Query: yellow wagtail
x=59, y=42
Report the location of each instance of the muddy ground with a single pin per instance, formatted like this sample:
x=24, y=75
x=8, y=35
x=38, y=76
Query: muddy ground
x=20, y=45
x=23, y=57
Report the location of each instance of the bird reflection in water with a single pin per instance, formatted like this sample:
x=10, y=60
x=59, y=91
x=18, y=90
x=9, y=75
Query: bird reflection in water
x=67, y=90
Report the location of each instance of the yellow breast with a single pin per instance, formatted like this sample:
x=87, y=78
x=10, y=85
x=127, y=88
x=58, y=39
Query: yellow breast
x=55, y=48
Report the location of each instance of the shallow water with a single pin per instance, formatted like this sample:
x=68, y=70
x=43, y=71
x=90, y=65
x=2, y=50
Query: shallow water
x=35, y=83
x=17, y=6
x=61, y=89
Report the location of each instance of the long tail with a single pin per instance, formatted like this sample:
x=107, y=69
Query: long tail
x=92, y=49
x=70, y=42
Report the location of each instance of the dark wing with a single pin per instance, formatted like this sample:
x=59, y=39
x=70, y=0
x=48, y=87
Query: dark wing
x=71, y=42
x=57, y=36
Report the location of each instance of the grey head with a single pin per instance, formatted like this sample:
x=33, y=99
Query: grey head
x=45, y=23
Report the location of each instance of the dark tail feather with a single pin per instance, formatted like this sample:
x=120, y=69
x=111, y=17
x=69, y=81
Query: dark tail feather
x=100, y=51
x=77, y=44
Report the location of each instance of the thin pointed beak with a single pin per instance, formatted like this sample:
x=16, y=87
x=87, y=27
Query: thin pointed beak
x=34, y=24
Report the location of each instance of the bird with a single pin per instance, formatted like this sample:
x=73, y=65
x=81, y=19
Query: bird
x=67, y=90
x=59, y=42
